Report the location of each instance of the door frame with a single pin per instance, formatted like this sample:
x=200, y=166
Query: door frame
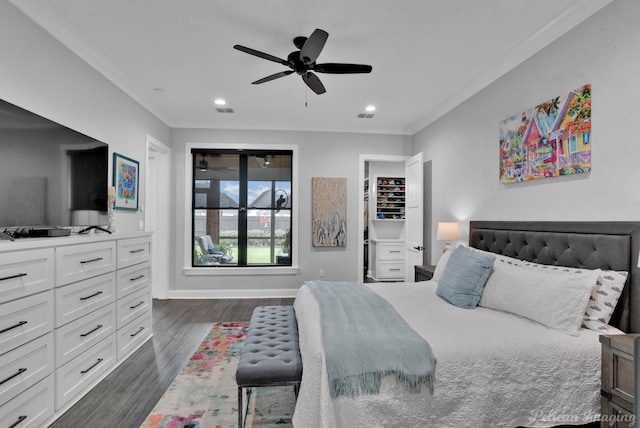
x=157, y=213
x=362, y=160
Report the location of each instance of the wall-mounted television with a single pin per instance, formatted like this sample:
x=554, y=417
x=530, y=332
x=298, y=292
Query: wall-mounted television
x=50, y=176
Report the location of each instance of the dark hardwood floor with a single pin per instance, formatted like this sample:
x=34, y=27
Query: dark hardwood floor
x=125, y=397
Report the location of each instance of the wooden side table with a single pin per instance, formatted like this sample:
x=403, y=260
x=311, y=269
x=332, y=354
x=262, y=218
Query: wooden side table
x=423, y=272
x=618, y=380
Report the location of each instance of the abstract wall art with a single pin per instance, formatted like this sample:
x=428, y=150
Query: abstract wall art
x=126, y=174
x=329, y=212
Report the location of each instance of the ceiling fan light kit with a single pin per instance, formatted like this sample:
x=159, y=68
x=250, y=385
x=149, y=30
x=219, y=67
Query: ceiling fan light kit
x=303, y=62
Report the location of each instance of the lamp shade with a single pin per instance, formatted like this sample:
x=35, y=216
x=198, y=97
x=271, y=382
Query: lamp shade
x=448, y=231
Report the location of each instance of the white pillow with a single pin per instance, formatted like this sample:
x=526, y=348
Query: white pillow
x=441, y=264
x=553, y=298
x=605, y=295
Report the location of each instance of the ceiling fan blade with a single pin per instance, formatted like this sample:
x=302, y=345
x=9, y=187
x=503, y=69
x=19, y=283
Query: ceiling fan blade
x=272, y=77
x=260, y=54
x=313, y=46
x=314, y=83
x=339, y=68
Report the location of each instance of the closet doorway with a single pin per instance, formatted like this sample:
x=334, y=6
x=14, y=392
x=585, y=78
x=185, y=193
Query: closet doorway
x=382, y=243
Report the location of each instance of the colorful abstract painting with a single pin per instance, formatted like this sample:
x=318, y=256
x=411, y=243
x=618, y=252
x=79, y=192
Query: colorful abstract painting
x=549, y=140
x=126, y=173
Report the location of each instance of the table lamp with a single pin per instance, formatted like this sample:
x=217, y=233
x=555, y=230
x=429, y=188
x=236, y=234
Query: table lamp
x=448, y=231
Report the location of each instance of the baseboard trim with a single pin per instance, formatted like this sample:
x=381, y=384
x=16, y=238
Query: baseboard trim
x=233, y=294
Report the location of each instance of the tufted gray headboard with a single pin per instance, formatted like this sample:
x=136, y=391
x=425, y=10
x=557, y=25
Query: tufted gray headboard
x=591, y=245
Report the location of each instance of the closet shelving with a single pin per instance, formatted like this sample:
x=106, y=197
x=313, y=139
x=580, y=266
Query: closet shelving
x=390, y=198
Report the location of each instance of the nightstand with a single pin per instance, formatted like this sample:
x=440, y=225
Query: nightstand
x=424, y=273
x=617, y=391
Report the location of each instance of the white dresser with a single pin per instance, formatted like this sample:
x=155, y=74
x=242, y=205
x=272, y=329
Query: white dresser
x=388, y=257
x=71, y=310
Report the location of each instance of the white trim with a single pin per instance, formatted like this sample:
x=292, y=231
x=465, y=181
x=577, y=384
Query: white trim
x=362, y=159
x=157, y=198
x=240, y=271
x=187, y=202
x=234, y=294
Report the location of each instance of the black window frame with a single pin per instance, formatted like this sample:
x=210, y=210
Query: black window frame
x=243, y=208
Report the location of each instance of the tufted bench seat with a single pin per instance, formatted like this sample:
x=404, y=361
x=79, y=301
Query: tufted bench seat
x=271, y=354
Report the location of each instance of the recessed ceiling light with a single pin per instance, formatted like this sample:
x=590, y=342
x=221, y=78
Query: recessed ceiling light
x=370, y=108
x=219, y=102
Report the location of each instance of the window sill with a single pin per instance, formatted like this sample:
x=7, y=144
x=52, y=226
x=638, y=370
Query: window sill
x=240, y=271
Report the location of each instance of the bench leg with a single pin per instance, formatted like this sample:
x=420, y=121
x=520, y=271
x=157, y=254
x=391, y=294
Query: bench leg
x=240, y=408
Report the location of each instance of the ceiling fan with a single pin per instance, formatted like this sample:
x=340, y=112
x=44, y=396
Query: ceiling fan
x=303, y=61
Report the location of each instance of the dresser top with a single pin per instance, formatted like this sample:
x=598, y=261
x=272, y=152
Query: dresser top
x=74, y=239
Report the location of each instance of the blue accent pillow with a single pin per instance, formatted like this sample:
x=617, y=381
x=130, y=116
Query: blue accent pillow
x=464, y=277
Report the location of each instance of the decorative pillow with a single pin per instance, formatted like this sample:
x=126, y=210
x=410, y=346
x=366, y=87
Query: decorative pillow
x=605, y=295
x=552, y=297
x=500, y=258
x=464, y=277
x=601, y=327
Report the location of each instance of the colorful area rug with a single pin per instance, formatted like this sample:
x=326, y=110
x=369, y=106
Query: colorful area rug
x=205, y=393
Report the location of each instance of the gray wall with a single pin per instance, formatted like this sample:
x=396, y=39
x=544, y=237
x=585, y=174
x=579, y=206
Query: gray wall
x=463, y=144
x=37, y=73
x=320, y=155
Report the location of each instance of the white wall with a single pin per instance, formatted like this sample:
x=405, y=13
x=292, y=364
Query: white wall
x=320, y=155
x=463, y=145
x=37, y=73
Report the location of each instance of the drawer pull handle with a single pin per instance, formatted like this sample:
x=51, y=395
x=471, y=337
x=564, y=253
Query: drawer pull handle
x=137, y=332
x=93, y=295
x=394, y=251
x=18, y=373
x=137, y=251
x=395, y=269
x=13, y=276
x=97, y=259
x=92, y=367
x=136, y=278
x=135, y=306
x=16, y=423
x=13, y=326
x=89, y=332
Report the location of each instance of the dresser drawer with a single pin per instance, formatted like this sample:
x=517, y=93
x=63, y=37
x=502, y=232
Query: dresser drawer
x=76, y=337
x=389, y=270
x=85, y=371
x=134, y=334
x=390, y=251
x=133, y=278
x=25, y=366
x=25, y=272
x=25, y=319
x=78, y=262
x=81, y=298
x=133, y=305
x=31, y=409
x=133, y=251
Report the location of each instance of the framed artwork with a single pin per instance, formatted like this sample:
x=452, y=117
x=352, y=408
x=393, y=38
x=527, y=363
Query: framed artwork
x=549, y=140
x=126, y=173
x=329, y=212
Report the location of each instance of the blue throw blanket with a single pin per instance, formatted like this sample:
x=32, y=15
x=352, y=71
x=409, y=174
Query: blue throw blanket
x=365, y=339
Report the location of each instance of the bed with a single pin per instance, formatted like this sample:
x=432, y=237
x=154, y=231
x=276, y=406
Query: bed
x=493, y=368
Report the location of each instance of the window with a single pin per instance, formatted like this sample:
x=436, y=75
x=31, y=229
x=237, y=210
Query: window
x=241, y=205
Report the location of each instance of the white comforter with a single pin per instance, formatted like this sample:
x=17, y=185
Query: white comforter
x=493, y=369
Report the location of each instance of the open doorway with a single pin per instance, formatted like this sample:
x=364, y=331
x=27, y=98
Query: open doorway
x=382, y=226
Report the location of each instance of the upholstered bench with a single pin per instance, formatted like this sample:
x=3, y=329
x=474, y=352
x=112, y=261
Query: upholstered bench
x=271, y=354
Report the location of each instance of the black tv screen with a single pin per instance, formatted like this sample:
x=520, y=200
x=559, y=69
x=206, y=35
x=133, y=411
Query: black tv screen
x=50, y=175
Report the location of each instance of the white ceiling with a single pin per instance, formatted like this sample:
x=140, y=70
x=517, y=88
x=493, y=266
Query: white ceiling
x=176, y=56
